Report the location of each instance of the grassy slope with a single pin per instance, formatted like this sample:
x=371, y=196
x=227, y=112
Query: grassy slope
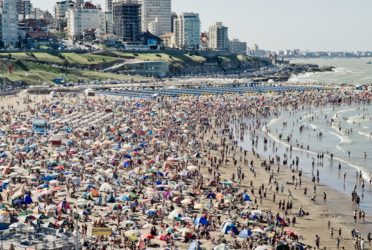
x=34, y=73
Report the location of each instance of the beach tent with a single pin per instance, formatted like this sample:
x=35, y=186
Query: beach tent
x=201, y=220
x=227, y=226
x=56, y=140
x=108, y=109
x=245, y=233
x=89, y=92
x=246, y=197
x=27, y=199
x=195, y=245
x=111, y=199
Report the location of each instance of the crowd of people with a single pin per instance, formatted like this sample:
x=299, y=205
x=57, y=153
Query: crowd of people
x=162, y=173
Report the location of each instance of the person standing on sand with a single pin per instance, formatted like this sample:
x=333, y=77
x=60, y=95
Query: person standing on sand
x=362, y=247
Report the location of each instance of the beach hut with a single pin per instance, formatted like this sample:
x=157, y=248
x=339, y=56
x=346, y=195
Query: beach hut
x=39, y=126
x=56, y=140
x=89, y=92
x=108, y=109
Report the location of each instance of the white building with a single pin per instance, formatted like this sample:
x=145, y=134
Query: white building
x=60, y=10
x=87, y=17
x=218, y=37
x=187, y=31
x=9, y=21
x=238, y=47
x=156, y=16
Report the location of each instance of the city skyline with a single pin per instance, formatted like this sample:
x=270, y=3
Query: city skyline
x=278, y=25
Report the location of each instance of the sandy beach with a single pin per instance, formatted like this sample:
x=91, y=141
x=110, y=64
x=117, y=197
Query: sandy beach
x=167, y=174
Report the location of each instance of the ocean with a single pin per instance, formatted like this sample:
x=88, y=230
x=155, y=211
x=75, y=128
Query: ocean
x=343, y=129
x=350, y=71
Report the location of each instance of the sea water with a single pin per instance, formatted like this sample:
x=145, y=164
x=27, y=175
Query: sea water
x=334, y=130
x=347, y=70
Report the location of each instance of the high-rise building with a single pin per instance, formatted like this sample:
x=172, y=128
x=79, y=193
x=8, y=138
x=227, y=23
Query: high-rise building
x=109, y=22
x=173, y=18
x=187, y=31
x=60, y=10
x=127, y=20
x=218, y=37
x=156, y=16
x=238, y=47
x=9, y=27
x=108, y=5
x=82, y=19
x=24, y=8
x=79, y=3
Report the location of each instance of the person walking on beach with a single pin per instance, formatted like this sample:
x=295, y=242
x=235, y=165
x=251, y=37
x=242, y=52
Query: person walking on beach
x=338, y=241
x=355, y=216
x=317, y=241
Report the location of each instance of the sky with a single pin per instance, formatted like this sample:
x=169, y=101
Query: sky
x=321, y=25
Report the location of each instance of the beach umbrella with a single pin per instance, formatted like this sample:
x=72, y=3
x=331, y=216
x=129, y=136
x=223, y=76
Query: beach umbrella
x=123, y=198
x=192, y=168
x=132, y=235
x=151, y=212
x=164, y=237
x=291, y=232
x=245, y=233
x=148, y=236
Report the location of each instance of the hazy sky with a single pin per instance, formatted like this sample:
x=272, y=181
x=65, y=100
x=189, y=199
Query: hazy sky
x=284, y=24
